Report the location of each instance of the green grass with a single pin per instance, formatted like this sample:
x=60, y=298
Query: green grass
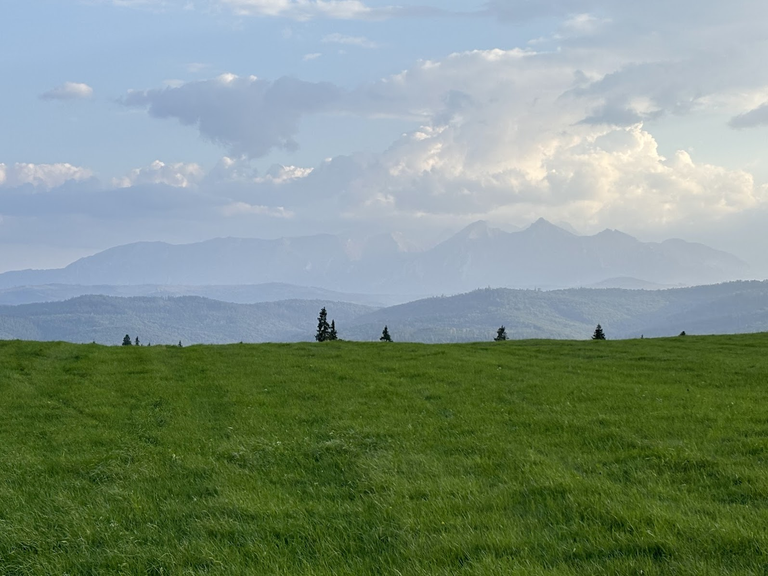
x=536, y=457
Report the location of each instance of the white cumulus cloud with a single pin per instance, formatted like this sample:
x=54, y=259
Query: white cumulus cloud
x=45, y=176
x=69, y=91
x=179, y=175
x=279, y=174
x=505, y=134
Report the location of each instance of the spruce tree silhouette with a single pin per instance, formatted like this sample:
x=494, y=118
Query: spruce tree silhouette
x=323, y=328
x=599, y=334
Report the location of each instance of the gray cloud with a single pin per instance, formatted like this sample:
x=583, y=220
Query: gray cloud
x=613, y=115
x=664, y=14
x=751, y=119
x=653, y=58
x=248, y=116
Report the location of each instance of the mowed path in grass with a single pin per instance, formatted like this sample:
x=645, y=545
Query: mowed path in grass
x=535, y=457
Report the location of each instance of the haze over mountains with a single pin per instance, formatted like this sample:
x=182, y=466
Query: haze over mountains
x=231, y=289
x=237, y=294
x=543, y=256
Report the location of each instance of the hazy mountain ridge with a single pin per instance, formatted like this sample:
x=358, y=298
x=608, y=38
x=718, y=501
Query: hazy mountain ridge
x=543, y=255
x=718, y=309
x=237, y=294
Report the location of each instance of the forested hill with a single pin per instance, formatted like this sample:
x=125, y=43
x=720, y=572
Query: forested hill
x=188, y=319
x=734, y=307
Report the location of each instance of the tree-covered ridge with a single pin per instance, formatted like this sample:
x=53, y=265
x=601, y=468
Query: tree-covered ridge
x=190, y=319
x=734, y=307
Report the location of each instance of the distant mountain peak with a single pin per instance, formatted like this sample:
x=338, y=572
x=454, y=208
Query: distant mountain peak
x=546, y=227
x=611, y=233
x=477, y=230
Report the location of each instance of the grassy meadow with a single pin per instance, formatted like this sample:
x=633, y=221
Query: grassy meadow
x=526, y=457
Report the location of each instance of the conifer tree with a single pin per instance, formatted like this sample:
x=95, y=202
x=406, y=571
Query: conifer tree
x=127, y=340
x=323, y=328
x=385, y=337
x=137, y=341
x=501, y=334
x=332, y=334
x=599, y=334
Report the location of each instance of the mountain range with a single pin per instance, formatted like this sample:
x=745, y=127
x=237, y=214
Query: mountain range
x=543, y=255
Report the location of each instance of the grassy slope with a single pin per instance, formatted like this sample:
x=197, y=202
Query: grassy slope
x=346, y=458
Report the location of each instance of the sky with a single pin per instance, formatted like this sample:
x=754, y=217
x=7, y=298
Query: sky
x=184, y=120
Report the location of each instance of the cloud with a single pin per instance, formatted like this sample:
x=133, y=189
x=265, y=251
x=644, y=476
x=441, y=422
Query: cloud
x=245, y=209
x=751, y=119
x=503, y=138
x=309, y=9
x=608, y=177
x=312, y=56
x=69, y=91
x=195, y=67
x=299, y=10
x=643, y=14
x=677, y=59
x=175, y=202
x=247, y=115
x=279, y=174
x=178, y=175
x=45, y=176
x=562, y=131
x=583, y=24
x=504, y=135
x=360, y=41
x=148, y=5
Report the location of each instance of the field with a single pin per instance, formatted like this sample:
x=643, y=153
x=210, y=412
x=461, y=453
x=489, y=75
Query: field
x=532, y=457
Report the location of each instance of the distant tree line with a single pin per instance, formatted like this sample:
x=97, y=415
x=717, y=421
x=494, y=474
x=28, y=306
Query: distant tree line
x=127, y=341
x=327, y=332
